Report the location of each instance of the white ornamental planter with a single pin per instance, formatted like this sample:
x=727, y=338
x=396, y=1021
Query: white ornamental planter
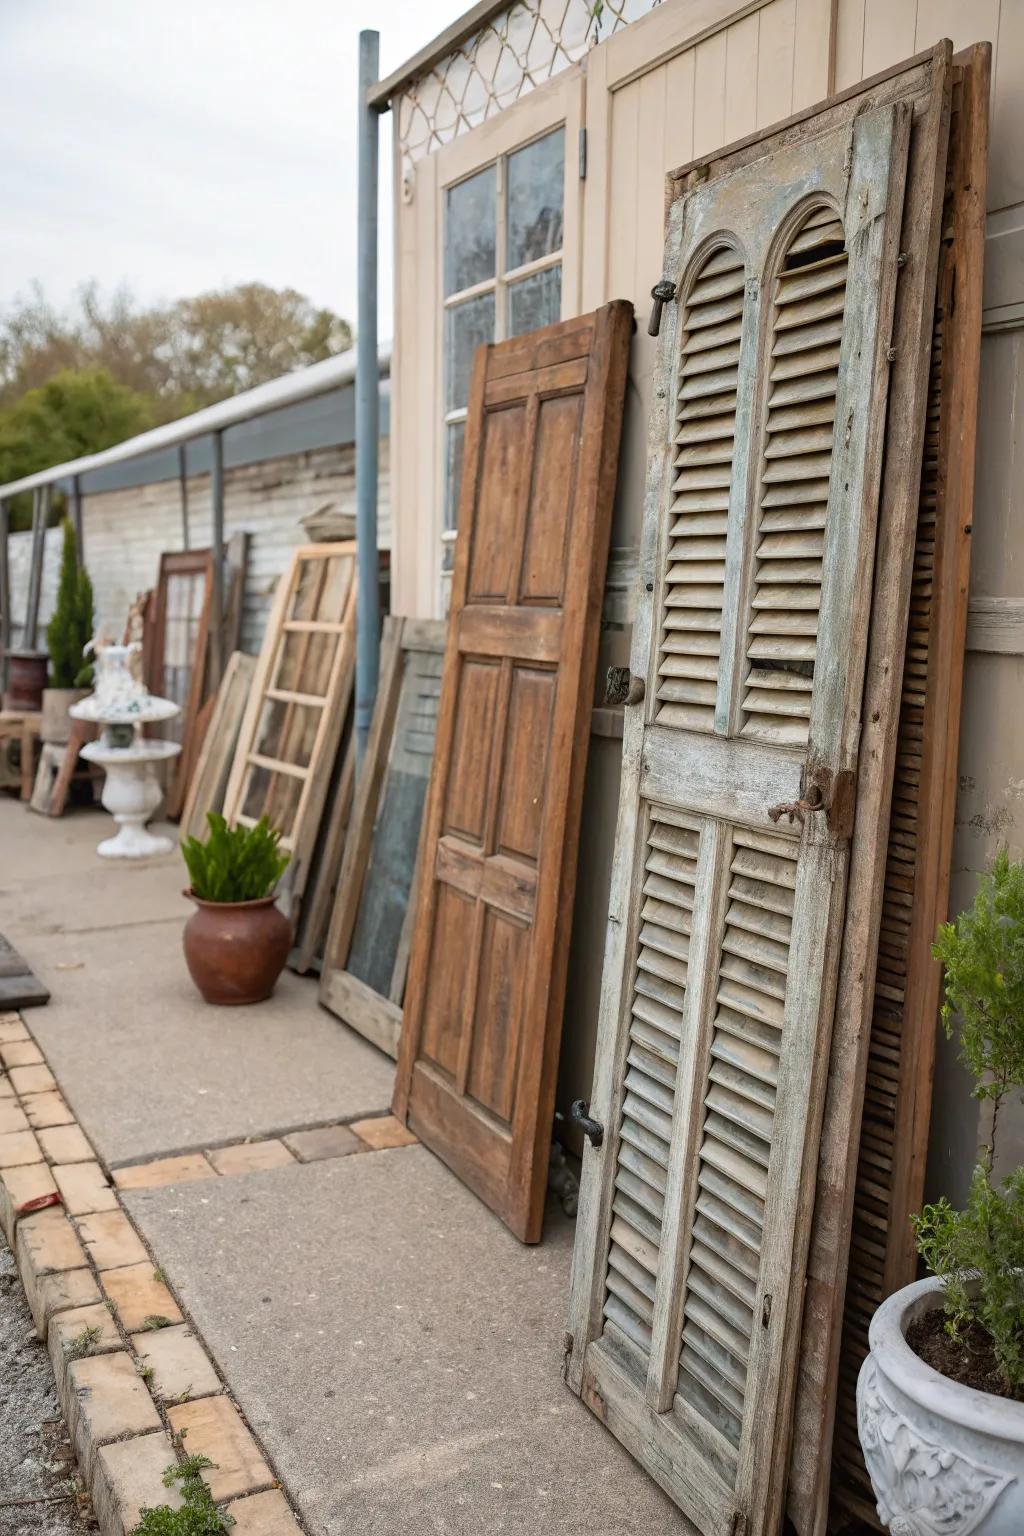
x=945, y=1460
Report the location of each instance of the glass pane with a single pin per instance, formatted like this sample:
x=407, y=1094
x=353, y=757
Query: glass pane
x=470, y=231
x=535, y=301
x=453, y=472
x=536, y=190
x=273, y=795
x=467, y=327
x=384, y=902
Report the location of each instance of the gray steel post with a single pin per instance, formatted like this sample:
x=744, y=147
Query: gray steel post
x=40, y=513
x=76, y=519
x=183, y=488
x=5, y=593
x=217, y=542
x=367, y=403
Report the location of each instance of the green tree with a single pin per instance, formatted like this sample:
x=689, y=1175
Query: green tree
x=979, y=1252
x=183, y=355
x=74, y=413
x=71, y=628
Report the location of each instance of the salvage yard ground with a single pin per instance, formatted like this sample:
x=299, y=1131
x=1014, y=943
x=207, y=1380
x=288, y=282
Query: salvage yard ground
x=396, y=1352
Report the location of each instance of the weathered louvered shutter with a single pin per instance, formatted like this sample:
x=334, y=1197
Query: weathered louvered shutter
x=724, y=922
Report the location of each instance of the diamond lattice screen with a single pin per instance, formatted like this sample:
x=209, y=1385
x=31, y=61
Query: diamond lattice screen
x=516, y=50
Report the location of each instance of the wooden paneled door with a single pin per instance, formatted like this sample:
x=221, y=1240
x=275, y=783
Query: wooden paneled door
x=736, y=808
x=483, y=1007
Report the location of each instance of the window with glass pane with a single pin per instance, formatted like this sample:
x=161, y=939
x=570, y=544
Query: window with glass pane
x=503, y=236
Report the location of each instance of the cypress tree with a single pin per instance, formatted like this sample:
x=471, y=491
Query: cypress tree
x=71, y=627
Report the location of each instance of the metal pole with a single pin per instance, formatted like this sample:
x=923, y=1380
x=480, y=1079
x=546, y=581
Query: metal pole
x=40, y=513
x=183, y=486
x=76, y=519
x=217, y=605
x=367, y=403
x=5, y=594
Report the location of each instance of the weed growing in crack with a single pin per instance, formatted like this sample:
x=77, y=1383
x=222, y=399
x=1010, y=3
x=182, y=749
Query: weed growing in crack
x=198, y=1515
x=82, y=1343
x=155, y=1321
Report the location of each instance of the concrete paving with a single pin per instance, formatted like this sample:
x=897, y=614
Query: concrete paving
x=145, y=1064
x=397, y=1351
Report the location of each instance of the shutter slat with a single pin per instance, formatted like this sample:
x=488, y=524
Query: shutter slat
x=663, y=946
x=693, y=584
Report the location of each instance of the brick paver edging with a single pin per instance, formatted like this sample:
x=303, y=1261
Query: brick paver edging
x=133, y=1376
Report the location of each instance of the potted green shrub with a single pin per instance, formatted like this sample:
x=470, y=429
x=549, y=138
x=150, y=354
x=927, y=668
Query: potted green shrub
x=237, y=941
x=940, y=1399
x=67, y=635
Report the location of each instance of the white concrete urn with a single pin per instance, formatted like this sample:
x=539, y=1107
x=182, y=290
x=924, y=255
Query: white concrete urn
x=944, y=1459
x=131, y=792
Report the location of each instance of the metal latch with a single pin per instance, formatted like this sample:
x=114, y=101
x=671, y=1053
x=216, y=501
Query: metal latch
x=833, y=793
x=796, y=810
x=593, y=1130
x=662, y=293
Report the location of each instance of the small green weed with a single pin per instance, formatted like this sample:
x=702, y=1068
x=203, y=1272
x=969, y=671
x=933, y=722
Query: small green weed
x=82, y=1343
x=154, y=1321
x=198, y=1515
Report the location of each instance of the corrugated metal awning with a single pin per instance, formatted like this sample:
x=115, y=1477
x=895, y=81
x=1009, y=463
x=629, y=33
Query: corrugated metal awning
x=330, y=376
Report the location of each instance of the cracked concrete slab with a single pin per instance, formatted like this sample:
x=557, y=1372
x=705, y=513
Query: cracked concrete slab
x=397, y=1351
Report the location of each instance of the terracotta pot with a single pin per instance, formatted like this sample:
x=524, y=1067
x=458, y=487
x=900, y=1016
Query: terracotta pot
x=236, y=950
x=26, y=678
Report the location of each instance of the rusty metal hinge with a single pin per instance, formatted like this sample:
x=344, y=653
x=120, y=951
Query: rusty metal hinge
x=662, y=293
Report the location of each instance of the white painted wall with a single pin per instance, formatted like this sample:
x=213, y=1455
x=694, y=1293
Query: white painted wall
x=125, y=532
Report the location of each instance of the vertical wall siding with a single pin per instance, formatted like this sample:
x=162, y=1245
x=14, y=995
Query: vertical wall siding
x=127, y=531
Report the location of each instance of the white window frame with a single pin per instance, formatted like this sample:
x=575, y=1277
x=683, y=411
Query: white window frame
x=560, y=104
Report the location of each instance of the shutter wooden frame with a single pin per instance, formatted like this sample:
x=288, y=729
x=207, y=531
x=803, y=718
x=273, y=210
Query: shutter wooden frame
x=720, y=773
x=377, y=1016
x=586, y=357
x=894, y=1051
x=301, y=838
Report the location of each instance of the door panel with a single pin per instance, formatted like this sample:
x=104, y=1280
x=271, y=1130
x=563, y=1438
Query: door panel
x=726, y=914
x=476, y=1073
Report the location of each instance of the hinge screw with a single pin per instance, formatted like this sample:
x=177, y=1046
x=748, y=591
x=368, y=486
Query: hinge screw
x=901, y=259
x=890, y=353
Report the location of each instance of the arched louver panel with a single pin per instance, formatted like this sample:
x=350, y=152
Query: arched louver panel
x=705, y=424
x=803, y=371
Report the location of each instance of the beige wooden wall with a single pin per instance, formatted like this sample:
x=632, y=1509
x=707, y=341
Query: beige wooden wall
x=688, y=78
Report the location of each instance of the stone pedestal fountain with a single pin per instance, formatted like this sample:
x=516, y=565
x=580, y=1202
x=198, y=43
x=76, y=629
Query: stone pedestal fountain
x=122, y=705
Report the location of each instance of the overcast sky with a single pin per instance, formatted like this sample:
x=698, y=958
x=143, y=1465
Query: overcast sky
x=192, y=145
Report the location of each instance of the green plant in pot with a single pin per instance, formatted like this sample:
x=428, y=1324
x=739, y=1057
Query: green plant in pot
x=940, y=1398
x=237, y=941
x=67, y=634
